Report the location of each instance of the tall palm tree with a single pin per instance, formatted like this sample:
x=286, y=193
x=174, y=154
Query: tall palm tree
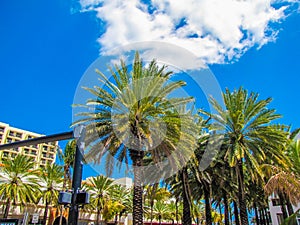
x=134, y=115
x=18, y=181
x=50, y=181
x=250, y=135
x=99, y=188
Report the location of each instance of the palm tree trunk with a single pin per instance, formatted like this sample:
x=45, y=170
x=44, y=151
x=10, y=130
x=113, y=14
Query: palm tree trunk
x=289, y=207
x=176, y=209
x=7, y=208
x=151, y=211
x=116, y=219
x=241, y=195
x=262, y=217
x=266, y=216
x=137, y=213
x=230, y=215
x=225, y=207
x=46, y=213
x=282, y=205
x=236, y=213
x=186, y=219
x=208, y=217
x=256, y=214
x=98, y=217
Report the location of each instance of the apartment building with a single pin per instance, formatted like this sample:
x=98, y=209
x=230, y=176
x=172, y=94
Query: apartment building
x=275, y=210
x=41, y=153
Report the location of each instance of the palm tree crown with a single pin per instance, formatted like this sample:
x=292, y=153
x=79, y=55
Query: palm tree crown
x=134, y=116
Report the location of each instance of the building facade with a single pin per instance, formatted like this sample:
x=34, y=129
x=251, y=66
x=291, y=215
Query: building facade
x=276, y=212
x=41, y=153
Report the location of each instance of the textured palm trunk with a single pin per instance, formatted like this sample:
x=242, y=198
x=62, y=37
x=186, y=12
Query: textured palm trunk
x=46, y=213
x=236, y=213
x=241, y=195
x=208, y=217
x=137, y=157
x=7, y=208
x=186, y=219
x=256, y=214
x=225, y=207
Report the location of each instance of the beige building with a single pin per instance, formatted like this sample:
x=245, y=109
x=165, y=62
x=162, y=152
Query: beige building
x=41, y=153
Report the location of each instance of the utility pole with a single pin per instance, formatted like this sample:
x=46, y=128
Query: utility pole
x=79, y=135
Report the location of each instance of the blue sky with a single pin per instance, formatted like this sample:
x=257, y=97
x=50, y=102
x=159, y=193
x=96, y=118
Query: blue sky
x=45, y=47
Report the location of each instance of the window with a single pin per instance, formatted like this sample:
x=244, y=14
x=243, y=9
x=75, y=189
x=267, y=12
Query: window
x=33, y=152
x=9, y=140
x=13, y=155
x=43, y=161
x=275, y=202
x=26, y=150
x=19, y=135
x=0, y=136
x=1, y=129
x=5, y=154
x=11, y=133
x=45, y=148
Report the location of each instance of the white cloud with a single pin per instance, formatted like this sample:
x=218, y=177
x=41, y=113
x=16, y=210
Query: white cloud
x=214, y=30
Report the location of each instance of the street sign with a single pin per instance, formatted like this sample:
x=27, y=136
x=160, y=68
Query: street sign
x=35, y=218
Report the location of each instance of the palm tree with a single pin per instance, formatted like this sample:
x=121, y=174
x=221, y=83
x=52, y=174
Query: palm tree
x=18, y=181
x=250, y=135
x=285, y=181
x=134, y=115
x=155, y=193
x=99, y=188
x=68, y=157
x=50, y=180
x=120, y=195
x=161, y=211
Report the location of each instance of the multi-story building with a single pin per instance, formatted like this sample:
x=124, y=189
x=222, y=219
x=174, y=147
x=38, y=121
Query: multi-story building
x=42, y=153
x=276, y=212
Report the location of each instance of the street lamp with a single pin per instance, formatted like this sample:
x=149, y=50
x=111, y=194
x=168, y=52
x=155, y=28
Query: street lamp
x=77, y=197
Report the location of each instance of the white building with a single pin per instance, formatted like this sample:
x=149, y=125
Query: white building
x=275, y=210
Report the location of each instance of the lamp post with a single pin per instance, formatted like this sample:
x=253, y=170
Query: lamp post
x=79, y=135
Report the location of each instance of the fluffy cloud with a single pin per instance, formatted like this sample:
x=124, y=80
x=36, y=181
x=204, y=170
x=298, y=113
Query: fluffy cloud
x=216, y=31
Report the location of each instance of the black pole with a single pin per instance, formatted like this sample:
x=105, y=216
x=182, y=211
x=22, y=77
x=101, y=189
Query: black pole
x=39, y=140
x=79, y=134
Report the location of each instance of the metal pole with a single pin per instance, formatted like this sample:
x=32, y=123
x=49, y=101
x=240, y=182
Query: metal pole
x=39, y=140
x=79, y=134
